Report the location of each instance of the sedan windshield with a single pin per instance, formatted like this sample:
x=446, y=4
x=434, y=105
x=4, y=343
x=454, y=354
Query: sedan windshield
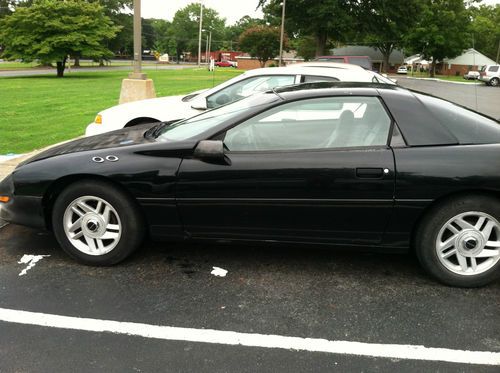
x=196, y=125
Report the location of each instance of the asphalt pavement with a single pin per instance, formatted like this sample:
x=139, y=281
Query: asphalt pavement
x=269, y=289
x=383, y=311
x=478, y=97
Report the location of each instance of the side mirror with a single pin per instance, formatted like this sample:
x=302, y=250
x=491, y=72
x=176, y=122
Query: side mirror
x=210, y=151
x=199, y=103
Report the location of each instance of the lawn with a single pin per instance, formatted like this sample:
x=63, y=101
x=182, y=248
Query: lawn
x=441, y=77
x=38, y=111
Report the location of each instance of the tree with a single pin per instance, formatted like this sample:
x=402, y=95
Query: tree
x=185, y=26
x=233, y=32
x=320, y=19
x=441, y=31
x=262, y=42
x=385, y=23
x=50, y=30
x=485, y=29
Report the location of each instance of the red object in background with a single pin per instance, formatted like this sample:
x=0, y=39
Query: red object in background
x=224, y=64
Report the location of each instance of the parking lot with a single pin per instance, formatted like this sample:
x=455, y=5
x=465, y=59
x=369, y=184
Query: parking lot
x=278, y=309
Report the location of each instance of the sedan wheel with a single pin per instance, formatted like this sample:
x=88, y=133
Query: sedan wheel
x=459, y=242
x=96, y=223
x=92, y=225
x=469, y=243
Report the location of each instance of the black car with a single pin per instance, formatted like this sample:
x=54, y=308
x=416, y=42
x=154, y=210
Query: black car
x=325, y=163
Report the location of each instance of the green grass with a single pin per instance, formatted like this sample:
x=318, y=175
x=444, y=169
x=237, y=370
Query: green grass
x=85, y=63
x=37, y=111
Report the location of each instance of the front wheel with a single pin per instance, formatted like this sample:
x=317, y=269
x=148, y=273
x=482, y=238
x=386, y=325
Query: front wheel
x=459, y=242
x=96, y=223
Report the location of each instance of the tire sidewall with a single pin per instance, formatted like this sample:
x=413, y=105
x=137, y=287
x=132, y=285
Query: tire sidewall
x=132, y=230
x=428, y=232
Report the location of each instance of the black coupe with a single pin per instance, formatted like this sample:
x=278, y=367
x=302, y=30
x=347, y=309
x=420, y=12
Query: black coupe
x=326, y=163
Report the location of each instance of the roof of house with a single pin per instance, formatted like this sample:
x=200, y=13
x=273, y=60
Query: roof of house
x=374, y=53
x=470, y=57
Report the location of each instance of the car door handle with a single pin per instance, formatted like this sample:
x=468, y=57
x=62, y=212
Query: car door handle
x=371, y=173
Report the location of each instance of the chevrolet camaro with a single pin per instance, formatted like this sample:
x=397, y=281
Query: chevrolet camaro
x=339, y=164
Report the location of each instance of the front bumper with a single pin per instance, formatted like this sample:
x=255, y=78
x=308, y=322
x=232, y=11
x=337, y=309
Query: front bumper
x=23, y=210
x=94, y=129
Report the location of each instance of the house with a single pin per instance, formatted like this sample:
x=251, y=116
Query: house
x=395, y=59
x=470, y=59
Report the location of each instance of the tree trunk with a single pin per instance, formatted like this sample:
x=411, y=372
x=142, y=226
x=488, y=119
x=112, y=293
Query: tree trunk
x=262, y=63
x=77, y=61
x=60, y=67
x=433, y=69
x=101, y=62
x=320, y=44
x=385, y=67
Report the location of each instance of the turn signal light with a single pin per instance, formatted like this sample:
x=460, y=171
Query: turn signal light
x=4, y=199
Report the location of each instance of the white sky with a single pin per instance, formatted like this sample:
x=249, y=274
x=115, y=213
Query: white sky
x=232, y=10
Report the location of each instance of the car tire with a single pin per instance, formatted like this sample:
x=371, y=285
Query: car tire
x=96, y=223
x=454, y=241
x=495, y=82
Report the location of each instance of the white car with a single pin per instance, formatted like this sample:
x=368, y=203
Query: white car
x=402, y=70
x=173, y=108
x=490, y=74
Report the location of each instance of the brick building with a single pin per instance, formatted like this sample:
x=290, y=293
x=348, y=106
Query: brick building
x=471, y=59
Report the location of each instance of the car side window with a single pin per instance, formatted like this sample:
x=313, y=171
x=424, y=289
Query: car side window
x=319, y=123
x=315, y=78
x=247, y=87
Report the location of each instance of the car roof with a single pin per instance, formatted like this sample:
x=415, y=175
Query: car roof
x=340, y=71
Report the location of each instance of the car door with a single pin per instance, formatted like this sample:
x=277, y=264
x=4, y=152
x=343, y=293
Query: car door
x=315, y=170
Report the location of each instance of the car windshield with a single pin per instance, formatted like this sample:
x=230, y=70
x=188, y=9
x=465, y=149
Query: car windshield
x=196, y=125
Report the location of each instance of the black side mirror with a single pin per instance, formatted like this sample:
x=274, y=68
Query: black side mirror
x=210, y=151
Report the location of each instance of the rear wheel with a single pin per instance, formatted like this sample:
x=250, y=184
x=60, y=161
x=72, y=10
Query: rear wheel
x=495, y=82
x=459, y=242
x=96, y=223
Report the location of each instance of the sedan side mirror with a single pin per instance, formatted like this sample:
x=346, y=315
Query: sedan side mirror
x=210, y=151
x=199, y=103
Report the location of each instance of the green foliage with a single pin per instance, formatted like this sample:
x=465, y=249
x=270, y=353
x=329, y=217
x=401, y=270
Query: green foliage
x=485, y=28
x=244, y=23
x=305, y=47
x=262, y=42
x=442, y=30
x=50, y=30
x=324, y=19
x=185, y=26
x=384, y=23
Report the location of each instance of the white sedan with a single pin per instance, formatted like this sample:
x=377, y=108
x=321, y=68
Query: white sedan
x=171, y=108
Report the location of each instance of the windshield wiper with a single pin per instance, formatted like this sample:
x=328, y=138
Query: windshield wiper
x=157, y=130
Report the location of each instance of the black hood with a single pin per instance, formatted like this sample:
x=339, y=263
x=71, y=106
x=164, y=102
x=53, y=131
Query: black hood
x=114, y=139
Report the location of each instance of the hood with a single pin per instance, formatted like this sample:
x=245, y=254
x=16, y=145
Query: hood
x=114, y=139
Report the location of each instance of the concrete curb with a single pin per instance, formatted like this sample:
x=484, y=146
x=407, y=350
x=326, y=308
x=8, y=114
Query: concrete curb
x=6, y=167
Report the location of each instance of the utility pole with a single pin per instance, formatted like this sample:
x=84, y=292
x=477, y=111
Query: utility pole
x=283, y=4
x=498, y=51
x=137, y=86
x=199, y=34
x=137, y=74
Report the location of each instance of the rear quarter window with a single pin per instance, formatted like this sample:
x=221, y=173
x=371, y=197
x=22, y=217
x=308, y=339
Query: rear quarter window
x=467, y=126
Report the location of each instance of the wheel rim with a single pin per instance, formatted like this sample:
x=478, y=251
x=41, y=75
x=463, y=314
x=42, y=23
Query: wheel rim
x=92, y=225
x=469, y=243
x=494, y=82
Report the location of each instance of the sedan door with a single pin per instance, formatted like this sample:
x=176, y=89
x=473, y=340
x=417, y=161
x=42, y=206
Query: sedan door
x=315, y=170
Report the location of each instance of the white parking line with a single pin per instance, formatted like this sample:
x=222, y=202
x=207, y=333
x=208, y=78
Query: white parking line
x=395, y=351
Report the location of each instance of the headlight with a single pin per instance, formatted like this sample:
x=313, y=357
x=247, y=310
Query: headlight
x=98, y=119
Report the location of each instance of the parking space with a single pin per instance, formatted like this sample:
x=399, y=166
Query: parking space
x=303, y=292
